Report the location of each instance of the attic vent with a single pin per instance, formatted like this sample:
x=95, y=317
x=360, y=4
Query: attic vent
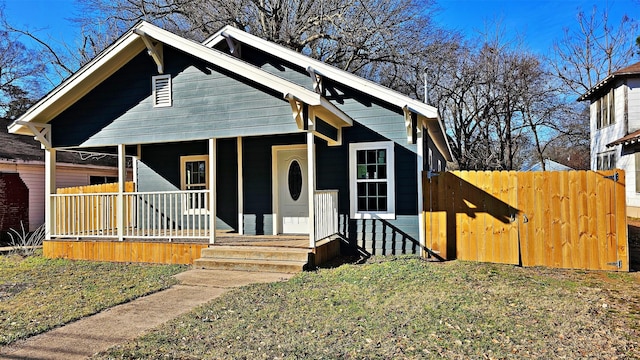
x=161, y=90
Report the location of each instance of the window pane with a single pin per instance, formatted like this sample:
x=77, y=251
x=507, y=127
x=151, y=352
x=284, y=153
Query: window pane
x=362, y=204
x=195, y=172
x=372, y=189
x=362, y=189
x=382, y=172
x=372, y=204
x=382, y=189
x=382, y=204
x=371, y=156
x=371, y=172
x=382, y=156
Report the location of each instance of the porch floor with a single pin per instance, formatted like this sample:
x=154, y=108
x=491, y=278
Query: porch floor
x=222, y=238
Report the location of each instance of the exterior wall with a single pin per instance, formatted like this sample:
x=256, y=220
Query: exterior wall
x=14, y=203
x=628, y=159
x=32, y=174
x=159, y=170
x=207, y=102
x=601, y=137
x=633, y=103
x=374, y=236
x=627, y=113
x=373, y=121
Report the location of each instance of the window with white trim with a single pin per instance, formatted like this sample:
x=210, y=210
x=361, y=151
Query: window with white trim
x=161, y=85
x=194, y=170
x=605, y=110
x=372, y=180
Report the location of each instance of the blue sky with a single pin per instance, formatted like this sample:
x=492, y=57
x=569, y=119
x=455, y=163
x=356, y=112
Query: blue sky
x=539, y=22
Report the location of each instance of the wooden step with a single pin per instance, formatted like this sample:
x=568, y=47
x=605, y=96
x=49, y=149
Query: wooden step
x=250, y=265
x=253, y=258
x=256, y=253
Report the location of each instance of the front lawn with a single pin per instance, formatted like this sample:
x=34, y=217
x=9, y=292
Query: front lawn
x=406, y=308
x=38, y=294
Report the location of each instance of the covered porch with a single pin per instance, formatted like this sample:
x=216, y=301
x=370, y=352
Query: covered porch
x=122, y=223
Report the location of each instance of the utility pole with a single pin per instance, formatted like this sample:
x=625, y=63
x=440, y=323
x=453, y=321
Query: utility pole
x=426, y=90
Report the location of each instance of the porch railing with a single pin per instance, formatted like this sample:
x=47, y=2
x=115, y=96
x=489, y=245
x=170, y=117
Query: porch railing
x=326, y=213
x=86, y=215
x=168, y=214
x=162, y=215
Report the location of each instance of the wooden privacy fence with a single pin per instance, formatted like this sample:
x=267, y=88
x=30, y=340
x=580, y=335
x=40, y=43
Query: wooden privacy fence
x=89, y=215
x=562, y=219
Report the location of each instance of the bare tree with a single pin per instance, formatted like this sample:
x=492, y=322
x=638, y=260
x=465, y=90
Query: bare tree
x=20, y=73
x=594, y=49
x=377, y=39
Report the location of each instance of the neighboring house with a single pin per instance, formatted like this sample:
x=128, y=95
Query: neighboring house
x=615, y=128
x=22, y=171
x=269, y=136
x=549, y=165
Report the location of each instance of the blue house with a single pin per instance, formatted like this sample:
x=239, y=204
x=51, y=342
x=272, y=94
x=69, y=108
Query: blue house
x=237, y=136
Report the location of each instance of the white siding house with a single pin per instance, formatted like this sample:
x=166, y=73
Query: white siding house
x=67, y=175
x=615, y=129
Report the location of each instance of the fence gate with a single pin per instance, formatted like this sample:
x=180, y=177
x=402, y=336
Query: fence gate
x=568, y=219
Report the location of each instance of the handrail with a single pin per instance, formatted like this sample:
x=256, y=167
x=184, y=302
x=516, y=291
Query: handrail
x=326, y=214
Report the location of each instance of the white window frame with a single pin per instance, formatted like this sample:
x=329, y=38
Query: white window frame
x=183, y=184
x=605, y=110
x=353, y=180
x=154, y=87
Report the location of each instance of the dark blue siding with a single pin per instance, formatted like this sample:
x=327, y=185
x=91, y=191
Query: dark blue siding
x=159, y=170
x=376, y=236
x=207, y=102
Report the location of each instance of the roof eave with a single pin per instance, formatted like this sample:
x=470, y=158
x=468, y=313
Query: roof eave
x=122, y=51
x=344, y=77
x=78, y=84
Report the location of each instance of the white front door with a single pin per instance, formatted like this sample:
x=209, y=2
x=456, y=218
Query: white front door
x=292, y=190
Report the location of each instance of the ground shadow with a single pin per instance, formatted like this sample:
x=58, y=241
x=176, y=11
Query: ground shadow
x=453, y=195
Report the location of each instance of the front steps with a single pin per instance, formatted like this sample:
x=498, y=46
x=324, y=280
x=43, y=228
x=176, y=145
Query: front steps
x=254, y=258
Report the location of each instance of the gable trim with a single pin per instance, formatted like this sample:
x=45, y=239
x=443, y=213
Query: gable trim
x=131, y=44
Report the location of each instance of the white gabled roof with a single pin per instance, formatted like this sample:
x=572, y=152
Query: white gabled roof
x=343, y=77
x=131, y=44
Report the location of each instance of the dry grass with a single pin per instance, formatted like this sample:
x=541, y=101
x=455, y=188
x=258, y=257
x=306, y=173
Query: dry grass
x=402, y=307
x=38, y=294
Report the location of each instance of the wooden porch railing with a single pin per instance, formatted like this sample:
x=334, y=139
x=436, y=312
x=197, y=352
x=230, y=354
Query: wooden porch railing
x=168, y=215
x=326, y=213
x=160, y=215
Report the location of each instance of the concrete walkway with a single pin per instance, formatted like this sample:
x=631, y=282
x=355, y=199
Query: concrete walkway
x=92, y=334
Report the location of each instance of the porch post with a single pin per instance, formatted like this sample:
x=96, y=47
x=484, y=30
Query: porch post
x=311, y=180
x=122, y=178
x=49, y=189
x=240, y=187
x=420, y=167
x=212, y=190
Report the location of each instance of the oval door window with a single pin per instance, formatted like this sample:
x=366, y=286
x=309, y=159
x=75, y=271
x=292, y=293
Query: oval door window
x=295, y=180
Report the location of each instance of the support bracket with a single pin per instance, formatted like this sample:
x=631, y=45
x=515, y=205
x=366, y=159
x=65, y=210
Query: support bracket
x=234, y=47
x=410, y=122
x=301, y=112
x=317, y=81
x=41, y=132
x=154, y=49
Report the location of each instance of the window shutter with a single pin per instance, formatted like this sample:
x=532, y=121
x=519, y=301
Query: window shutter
x=161, y=90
